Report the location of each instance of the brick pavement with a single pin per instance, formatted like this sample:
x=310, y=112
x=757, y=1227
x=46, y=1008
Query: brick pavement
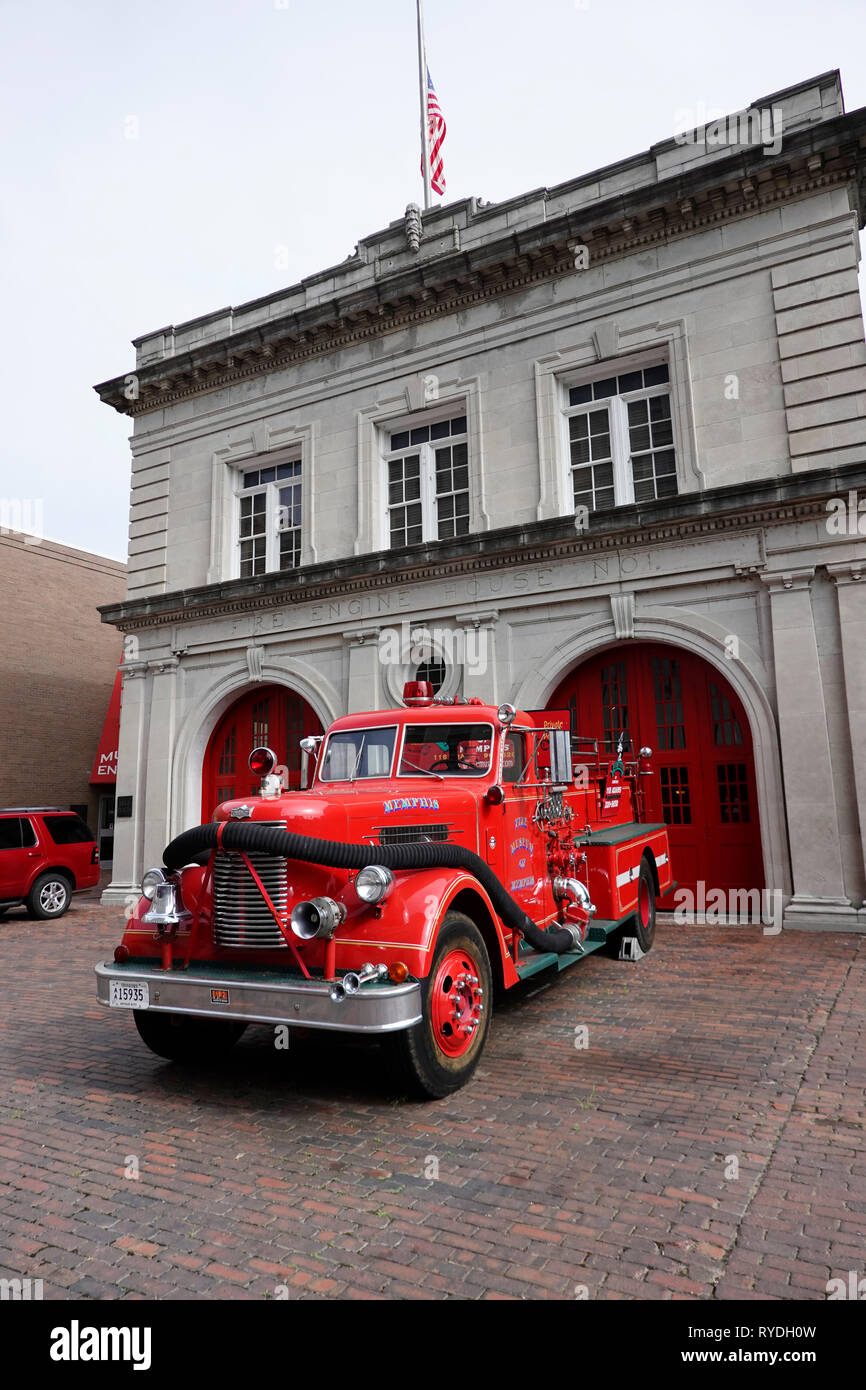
x=609, y=1169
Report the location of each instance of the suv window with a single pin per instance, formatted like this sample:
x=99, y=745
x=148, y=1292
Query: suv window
x=16, y=832
x=68, y=830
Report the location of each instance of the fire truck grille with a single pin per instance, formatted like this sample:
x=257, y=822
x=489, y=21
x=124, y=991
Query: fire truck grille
x=242, y=918
x=411, y=834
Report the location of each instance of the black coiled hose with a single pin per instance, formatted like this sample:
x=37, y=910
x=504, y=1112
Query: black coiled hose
x=264, y=839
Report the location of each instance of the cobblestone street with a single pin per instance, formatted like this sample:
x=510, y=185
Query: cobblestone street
x=610, y=1169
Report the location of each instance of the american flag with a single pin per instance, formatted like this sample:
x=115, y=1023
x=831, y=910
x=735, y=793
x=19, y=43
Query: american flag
x=436, y=136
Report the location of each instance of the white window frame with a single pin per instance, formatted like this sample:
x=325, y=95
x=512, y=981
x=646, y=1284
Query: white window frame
x=427, y=466
x=613, y=347
x=617, y=416
x=617, y=408
x=415, y=400
x=273, y=508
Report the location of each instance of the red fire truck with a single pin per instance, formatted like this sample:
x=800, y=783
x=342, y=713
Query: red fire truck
x=441, y=853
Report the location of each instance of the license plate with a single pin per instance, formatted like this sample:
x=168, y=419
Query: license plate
x=128, y=996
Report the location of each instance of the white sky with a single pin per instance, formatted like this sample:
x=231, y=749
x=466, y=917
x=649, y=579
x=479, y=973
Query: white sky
x=285, y=123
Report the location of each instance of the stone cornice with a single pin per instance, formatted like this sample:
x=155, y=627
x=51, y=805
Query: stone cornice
x=827, y=154
x=718, y=511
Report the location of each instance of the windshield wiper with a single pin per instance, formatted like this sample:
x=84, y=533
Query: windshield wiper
x=425, y=770
x=358, y=759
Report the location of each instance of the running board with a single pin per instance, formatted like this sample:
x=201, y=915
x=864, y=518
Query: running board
x=530, y=961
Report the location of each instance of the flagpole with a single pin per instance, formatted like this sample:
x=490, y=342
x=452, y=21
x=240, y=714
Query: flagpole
x=425, y=130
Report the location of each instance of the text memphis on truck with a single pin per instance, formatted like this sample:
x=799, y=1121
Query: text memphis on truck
x=442, y=852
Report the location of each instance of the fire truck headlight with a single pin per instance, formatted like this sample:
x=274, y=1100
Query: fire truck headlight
x=374, y=883
x=151, y=881
x=506, y=714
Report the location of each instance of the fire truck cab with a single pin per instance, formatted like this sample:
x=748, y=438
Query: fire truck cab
x=442, y=852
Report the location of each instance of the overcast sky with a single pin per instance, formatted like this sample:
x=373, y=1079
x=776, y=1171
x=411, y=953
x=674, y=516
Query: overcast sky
x=157, y=156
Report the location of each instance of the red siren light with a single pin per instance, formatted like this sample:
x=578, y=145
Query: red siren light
x=262, y=761
x=417, y=693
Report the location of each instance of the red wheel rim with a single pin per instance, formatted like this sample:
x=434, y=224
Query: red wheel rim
x=456, y=1003
x=644, y=895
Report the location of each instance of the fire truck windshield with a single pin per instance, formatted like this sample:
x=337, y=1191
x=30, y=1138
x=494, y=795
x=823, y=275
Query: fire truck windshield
x=462, y=750
x=353, y=753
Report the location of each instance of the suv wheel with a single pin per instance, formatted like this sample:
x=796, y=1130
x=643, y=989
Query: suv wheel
x=49, y=897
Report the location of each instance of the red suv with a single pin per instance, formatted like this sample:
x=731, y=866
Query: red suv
x=46, y=855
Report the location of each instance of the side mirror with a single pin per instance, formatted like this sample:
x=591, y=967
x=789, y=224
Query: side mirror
x=560, y=757
x=310, y=745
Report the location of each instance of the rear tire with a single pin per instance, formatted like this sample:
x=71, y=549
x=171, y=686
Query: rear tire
x=49, y=897
x=642, y=926
x=440, y=1054
x=182, y=1038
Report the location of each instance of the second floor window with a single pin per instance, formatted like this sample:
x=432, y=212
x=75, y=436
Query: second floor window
x=620, y=439
x=269, y=518
x=428, y=482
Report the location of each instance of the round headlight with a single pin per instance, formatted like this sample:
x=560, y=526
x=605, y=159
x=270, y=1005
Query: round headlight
x=373, y=883
x=506, y=714
x=262, y=761
x=151, y=881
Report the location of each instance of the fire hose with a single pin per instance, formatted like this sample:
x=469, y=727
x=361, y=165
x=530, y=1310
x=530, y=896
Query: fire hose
x=186, y=847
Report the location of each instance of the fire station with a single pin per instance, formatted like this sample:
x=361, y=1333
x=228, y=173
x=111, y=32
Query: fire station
x=585, y=450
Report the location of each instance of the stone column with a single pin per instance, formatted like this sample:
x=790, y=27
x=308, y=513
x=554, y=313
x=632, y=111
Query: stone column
x=364, y=683
x=160, y=757
x=132, y=748
x=850, y=581
x=819, y=901
x=478, y=643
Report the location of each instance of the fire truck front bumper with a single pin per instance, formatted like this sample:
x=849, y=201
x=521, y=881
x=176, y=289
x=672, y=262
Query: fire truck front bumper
x=263, y=997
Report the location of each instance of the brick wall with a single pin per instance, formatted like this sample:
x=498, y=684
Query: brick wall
x=57, y=667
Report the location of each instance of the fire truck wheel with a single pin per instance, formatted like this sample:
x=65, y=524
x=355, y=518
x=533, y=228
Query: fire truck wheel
x=643, y=924
x=49, y=897
x=182, y=1038
x=441, y=1052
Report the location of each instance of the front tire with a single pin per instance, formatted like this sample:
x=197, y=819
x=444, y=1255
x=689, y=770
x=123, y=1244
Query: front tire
x=183, y=1038
x=49, y=897
x=440, y=1054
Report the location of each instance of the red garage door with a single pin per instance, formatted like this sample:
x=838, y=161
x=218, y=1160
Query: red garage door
x=269, y=716
x=703, y=786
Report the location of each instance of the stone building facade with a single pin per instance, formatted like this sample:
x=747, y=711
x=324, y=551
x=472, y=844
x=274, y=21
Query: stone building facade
x=57, y=668
x=602, y=443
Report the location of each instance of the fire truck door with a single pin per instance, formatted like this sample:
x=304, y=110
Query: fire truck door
x=522, y=862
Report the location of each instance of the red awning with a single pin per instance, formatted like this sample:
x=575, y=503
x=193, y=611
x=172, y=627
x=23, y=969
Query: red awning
x=104, y=769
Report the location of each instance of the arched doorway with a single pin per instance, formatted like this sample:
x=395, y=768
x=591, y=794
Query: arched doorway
x=271, y=716
x=703, y=785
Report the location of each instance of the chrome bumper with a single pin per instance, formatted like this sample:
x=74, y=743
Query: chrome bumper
x=304, y=1003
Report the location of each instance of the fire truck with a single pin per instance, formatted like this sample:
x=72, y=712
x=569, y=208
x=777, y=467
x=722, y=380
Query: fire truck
x=441, y=853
